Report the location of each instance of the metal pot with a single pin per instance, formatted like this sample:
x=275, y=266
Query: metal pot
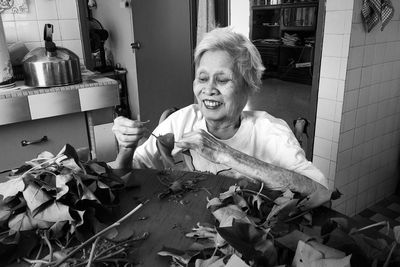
x=51, y=65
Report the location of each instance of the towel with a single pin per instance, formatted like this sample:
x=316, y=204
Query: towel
x=373, y=11
x=13, y=6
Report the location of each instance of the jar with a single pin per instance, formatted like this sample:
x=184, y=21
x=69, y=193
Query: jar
x=6, y=71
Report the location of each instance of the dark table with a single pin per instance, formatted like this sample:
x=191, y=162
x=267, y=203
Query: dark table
x=168, y=220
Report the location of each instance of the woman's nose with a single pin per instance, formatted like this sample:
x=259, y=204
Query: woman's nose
x=210, y=88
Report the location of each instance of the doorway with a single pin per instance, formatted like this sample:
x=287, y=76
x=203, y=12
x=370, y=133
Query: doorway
x=288, y=35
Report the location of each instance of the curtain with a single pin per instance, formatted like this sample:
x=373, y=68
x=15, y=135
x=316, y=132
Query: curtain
x=205, y=18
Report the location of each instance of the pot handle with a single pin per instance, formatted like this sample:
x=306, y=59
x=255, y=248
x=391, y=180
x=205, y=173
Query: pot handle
x=48, y=32
x=48, y=38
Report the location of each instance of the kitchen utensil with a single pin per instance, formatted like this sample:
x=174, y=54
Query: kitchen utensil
x=6, y=71
x=51, y=65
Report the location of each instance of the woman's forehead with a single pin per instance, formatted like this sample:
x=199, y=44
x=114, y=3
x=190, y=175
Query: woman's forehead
x=216, y=59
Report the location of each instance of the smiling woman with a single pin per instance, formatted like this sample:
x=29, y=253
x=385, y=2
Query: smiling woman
x=216, y=135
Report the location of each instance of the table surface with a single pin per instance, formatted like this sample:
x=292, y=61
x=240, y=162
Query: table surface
x=168, y=220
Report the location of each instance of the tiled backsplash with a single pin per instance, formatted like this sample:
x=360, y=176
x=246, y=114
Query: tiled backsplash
x=357, y=137
x=28, y=28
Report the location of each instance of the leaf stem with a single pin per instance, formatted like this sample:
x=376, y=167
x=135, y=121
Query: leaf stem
x=92, y=252
x=40, y=251
x=255, y=193
x=41, y=164
x=117, y=223
x=370, y=226
x=46, y=239
x=390, y=254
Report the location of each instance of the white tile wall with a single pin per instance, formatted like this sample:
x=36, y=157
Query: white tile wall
x=47, y=10
x=28, y=28
x=365, y=140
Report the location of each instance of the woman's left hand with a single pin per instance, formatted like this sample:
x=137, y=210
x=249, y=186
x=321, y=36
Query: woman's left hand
x=204, y=144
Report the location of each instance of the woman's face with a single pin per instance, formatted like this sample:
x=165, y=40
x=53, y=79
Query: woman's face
x=220, y=94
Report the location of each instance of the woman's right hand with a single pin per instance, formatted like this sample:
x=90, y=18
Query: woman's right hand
x=128, y=132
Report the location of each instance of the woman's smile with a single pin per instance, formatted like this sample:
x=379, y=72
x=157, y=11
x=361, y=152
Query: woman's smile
x=211, y=104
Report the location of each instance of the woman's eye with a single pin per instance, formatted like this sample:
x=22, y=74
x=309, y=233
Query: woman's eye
x=223, y=81
x=202, y=79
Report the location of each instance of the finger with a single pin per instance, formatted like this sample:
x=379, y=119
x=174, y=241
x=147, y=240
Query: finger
x=123, y=121
x=129, y=130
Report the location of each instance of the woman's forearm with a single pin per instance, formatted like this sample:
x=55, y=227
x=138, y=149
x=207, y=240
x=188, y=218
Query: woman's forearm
x=272, y=176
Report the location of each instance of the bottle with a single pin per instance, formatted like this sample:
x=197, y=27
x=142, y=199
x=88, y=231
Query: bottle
x=6, y=71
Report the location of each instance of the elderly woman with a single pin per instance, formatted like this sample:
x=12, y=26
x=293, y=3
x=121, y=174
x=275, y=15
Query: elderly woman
x=220, y=137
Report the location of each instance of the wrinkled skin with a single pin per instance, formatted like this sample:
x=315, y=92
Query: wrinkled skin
x=204, y=144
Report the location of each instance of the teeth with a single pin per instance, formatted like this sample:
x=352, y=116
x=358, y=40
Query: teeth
x=212, y=104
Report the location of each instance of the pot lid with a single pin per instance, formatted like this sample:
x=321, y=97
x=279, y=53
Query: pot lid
x=51, y=52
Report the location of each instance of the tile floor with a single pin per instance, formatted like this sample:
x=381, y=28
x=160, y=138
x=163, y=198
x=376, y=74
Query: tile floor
x=387, y=209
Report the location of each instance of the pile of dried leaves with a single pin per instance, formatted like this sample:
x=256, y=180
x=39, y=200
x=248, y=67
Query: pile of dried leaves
x=52, y=200
x=255, y=230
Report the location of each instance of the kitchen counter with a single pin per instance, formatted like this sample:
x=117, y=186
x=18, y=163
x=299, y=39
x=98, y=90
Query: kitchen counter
x=33, y=120
x=24, y=103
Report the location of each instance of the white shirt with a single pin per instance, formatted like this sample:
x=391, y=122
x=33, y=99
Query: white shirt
x=260, y=135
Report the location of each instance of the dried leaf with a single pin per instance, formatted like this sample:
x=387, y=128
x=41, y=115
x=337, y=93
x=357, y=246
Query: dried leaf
x=182, y=257
x=233, y=190
x=277, y=209
x=341, y=262
x=43, y=157
x=97, y=168
x=70, y=152
x=61, y=184
x=291, y=240
x=250, y=241
x=305, y=255
x=56, y=230
x=34, y=196
x=11, y=187
x=235, y=261
x=5, y=213
x=54, y=213
x=340, y=240
x=24, y=222
x=316, y=199
x=165, y=145
x=71, y=164
x=214, y=261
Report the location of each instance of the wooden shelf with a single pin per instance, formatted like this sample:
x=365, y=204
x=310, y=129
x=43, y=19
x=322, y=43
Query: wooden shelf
x=267, y=22
x=286, y=5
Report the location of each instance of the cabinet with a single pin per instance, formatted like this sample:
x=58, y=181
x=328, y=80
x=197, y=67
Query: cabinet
x=58, y=131
x=284, y=33
x=33, y=120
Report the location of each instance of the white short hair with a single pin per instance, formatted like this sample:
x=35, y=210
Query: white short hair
x=247, y=59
